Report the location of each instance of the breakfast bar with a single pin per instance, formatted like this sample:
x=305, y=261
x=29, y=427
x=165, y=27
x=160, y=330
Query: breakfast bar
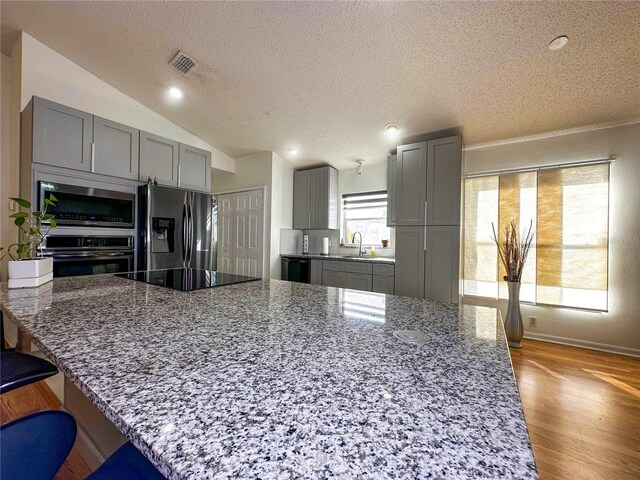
x=273, y=379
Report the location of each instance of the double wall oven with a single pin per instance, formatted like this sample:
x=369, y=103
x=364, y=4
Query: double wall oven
x=96, y=229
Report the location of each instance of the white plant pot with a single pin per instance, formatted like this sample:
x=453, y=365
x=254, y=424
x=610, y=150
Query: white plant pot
x=30, y=273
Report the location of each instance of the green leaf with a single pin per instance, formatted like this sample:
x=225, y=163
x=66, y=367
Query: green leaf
x=48, y=216
x=53, y=223
x=49, y=202
x=19, y=215
x=52, y=197
x=19, y=221
x=22, y=202
x=37, y=213
x=33, y=230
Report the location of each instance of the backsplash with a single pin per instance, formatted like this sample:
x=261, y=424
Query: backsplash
x=291, y=242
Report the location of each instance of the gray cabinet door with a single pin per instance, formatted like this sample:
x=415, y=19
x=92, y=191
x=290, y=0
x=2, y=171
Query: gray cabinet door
x=334, y=279
x=409, y=266
x=359, y=281
x=194, y=169
x=392, y=189
x=319, y=198
x=442, y=264
x=410, y=196
x=301, y=199
x=316, y=272
x=383, y=284
x=444, y=168
x=61, y=135
x=116, y=149
x=158, y=159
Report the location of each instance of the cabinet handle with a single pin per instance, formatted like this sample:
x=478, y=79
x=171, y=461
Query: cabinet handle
x=425, y=238
x=309, y=219
x=425, y=212
x=179, y=174
x=93, y=156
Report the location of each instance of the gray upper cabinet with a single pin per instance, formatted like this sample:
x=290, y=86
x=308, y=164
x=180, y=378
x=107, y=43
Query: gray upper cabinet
x=409, y=190
x=392, y=187
x=158, y=159
x=409, y=266
x=194, y=168
x=315, y=199
x=60, y=135
x=301, y=199
x=444, y=168
x=442, y=263
x=116, y=149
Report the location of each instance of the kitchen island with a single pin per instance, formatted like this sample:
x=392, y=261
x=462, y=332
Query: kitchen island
x=272, y=379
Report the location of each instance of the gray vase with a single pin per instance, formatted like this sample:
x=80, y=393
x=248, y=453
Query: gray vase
x=513, y=323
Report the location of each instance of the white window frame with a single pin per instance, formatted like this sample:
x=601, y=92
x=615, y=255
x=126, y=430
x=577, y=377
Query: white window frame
x=343, y=225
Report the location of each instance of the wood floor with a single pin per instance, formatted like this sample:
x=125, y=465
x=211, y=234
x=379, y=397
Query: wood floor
x=582, y=408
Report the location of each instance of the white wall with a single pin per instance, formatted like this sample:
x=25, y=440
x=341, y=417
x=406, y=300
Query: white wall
x=618, y=329
x=281, y=208
x=47, y=74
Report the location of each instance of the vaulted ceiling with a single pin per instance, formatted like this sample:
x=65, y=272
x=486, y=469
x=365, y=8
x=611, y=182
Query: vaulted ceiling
x=325, y=77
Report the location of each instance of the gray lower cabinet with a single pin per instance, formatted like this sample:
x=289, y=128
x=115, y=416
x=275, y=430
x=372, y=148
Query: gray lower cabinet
x=116, y=149
x=410, y=179
x=334, y=279
x=194, y=168
x=159, y=159
x=409, y=266
x=442, y=263
x=316, y=272
x=57, y=135
x=315, y=198
x=359, y=281
x=383, y=284
x=444, y=170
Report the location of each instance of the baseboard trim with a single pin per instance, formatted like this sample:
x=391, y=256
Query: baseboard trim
x=601, y=347
x=88, y=450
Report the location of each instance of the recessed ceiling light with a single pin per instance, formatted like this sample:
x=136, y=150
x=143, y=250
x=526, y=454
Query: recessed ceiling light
x=392, y=129
x=558, y=42
x=175, y=92
x=293, y=151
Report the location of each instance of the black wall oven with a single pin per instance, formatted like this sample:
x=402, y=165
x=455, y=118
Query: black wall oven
x=87, y=206
x=89, y=255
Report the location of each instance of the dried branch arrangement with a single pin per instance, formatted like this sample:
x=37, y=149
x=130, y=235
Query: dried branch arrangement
x=513, y=250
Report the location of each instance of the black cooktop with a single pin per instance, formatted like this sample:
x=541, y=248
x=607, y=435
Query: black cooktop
x=186, y=279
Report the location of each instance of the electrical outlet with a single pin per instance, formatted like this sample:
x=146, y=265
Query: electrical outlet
x=533, y=322
x=12, y=206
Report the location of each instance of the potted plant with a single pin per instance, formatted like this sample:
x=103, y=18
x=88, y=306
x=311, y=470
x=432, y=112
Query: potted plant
x=513, y=250
x=26, y=268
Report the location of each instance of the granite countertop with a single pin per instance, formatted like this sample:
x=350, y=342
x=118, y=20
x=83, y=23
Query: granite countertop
x=272, y=379
x=346, y=258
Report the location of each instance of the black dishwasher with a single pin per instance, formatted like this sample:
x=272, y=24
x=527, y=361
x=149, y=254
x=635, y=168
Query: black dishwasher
x=296, y=270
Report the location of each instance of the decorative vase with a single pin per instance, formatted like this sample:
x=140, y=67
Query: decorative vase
x=513, y=323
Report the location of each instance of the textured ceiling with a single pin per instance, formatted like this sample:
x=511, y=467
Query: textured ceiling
x=327, y=76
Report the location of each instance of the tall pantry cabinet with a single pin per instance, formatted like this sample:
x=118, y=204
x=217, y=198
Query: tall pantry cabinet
x=424, y=181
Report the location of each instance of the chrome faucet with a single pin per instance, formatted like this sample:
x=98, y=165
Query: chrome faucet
x=361, y=252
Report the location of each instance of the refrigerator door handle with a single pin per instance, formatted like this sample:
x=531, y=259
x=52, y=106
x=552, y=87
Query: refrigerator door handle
x=185, y=225
x=190, y=246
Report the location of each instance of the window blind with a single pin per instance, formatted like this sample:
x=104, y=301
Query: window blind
x=569, y=209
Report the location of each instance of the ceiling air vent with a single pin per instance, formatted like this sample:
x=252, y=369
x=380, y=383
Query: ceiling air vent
x=184, y=63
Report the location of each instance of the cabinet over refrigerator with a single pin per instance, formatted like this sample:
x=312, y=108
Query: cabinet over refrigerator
x=176, y=229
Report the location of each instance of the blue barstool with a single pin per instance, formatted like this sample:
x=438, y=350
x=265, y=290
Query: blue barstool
x=35, y=447
x=19, y=369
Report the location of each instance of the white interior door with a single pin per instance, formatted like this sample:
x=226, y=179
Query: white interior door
x=241, y=233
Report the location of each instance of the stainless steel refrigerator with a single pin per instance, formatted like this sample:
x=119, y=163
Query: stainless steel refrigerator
x=176, y=229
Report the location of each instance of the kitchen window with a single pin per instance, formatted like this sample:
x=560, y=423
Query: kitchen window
x=569, y=210
x=365, y=213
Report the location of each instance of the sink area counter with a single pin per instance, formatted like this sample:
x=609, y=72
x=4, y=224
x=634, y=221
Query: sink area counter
x=346, y=258
x=273, y=379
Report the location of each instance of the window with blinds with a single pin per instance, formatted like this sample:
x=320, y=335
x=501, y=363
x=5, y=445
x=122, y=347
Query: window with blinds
x=365, y=213
x=569, y=210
